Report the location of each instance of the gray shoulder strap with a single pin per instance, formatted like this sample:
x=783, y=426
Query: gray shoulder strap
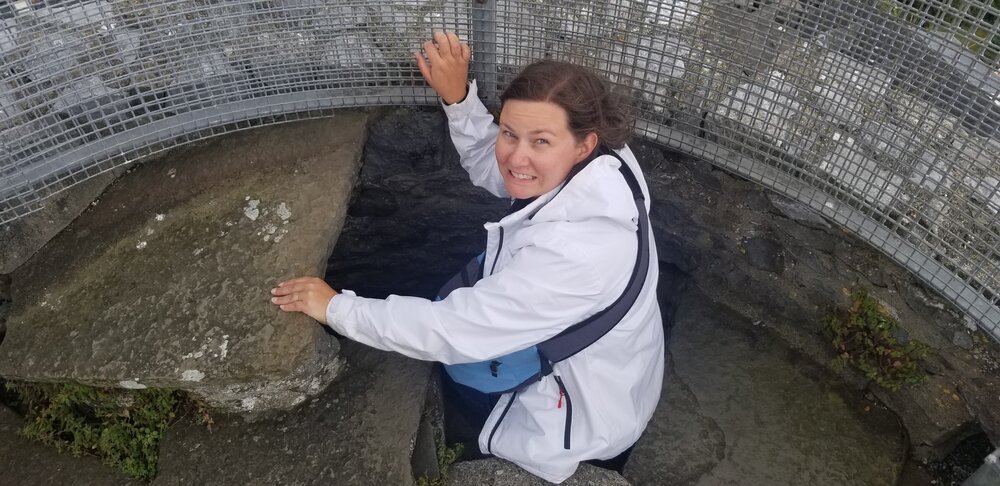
x=577, y=337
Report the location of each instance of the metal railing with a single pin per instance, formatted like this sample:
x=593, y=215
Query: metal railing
x=882, y=115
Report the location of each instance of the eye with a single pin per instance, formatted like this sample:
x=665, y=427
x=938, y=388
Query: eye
x=508, y=134
x=542, y=141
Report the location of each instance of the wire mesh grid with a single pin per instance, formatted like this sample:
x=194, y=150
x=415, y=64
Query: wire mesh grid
x=883, y=115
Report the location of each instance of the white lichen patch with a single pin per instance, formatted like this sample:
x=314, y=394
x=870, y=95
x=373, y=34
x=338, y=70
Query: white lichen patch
x=270, y=228
x=50, y=302
x=209, y=347
x=132, y=385
x=172, y=173
x=140, y=245
x=198, y=251
x=283, y=212
x=251, y=211
x=159, y=217
x=149, y=231
x=281, y=235
x=192, y=375
x=248, y=404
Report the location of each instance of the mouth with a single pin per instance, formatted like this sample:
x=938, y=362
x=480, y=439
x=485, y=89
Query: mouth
x=521, y=177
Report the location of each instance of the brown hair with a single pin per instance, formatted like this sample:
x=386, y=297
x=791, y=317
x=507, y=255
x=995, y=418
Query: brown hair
x=590, y=103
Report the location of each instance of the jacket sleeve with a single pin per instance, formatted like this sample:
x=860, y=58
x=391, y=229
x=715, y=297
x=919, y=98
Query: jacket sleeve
x=540, y=292
x=475, y=137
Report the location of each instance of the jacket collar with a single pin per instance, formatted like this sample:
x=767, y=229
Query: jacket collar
x=527, y=211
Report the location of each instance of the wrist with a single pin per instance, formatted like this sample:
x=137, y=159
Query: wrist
x=454, y=100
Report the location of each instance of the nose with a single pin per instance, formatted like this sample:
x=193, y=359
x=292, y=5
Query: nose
x=519, y=156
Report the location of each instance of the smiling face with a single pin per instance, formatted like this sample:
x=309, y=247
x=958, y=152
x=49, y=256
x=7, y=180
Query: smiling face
x=536, y=149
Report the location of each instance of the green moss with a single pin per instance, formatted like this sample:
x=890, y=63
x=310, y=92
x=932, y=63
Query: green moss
x=446, y=456
x=123, y=427
x=865, y=337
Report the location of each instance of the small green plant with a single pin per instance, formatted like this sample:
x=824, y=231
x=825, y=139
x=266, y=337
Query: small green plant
x=864, y=336
x=123, y=427
x=446, y=456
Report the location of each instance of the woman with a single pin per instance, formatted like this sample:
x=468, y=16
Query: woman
x=566, y=251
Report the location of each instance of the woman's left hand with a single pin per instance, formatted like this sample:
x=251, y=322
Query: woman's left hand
x=308, y=295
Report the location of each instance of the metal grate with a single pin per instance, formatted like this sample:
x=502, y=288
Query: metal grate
x=883, y=115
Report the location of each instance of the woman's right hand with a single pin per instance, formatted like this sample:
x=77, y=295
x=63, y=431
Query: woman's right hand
x=445, y=65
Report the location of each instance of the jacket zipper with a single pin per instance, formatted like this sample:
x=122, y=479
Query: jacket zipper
x=489, y=442
x=563, y=393
x=496, y=257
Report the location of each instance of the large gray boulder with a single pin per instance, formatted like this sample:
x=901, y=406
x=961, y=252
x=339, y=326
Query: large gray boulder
x=164, y=283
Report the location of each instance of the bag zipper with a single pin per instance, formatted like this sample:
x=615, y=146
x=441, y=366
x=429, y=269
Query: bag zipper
x=489, y=442
x=563, y=393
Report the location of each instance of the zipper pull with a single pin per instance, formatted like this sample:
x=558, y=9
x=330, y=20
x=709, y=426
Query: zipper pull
x=559, y=405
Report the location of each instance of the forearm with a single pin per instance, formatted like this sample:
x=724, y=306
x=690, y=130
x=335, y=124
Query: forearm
x=474, y=134
x=411, y=326
x=537, y=295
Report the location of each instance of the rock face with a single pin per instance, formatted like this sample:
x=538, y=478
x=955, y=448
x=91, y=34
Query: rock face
x=779, y=266
x=165, y=282
x=21, y=238
x=360, y=431
x=498, y=472
x=27, y=463
x=416, y=218
x=738, y=407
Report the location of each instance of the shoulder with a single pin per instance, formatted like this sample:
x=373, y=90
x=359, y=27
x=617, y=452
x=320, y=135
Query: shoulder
x=599, y=192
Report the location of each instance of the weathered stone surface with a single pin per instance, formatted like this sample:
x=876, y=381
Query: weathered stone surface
x=704, y=221
x=165, y=282
x=498, y=472
x=27, y=463
x=739, y=408
x=21, y=238
x=359, y=431
x=4, y=304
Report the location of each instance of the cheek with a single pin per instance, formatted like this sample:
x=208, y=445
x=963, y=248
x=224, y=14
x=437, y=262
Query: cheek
x=501, y=152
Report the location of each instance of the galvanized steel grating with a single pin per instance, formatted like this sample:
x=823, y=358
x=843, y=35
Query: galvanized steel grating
x=883, y=115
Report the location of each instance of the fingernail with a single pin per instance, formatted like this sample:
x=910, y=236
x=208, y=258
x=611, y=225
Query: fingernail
x=274, y=299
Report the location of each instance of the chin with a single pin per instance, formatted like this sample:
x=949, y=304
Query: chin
x=519, y=192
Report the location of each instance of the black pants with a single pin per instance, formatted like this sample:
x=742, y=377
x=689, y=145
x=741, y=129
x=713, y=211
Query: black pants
x=465, y=412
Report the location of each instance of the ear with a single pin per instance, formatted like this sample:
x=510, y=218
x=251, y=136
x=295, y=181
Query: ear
x=586, y=146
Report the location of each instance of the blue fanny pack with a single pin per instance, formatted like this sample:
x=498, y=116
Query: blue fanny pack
x=516, y=370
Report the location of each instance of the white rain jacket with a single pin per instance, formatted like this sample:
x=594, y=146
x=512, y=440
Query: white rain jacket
x=571, y=260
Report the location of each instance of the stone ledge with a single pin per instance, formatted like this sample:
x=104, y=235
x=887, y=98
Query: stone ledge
x=165, y=282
